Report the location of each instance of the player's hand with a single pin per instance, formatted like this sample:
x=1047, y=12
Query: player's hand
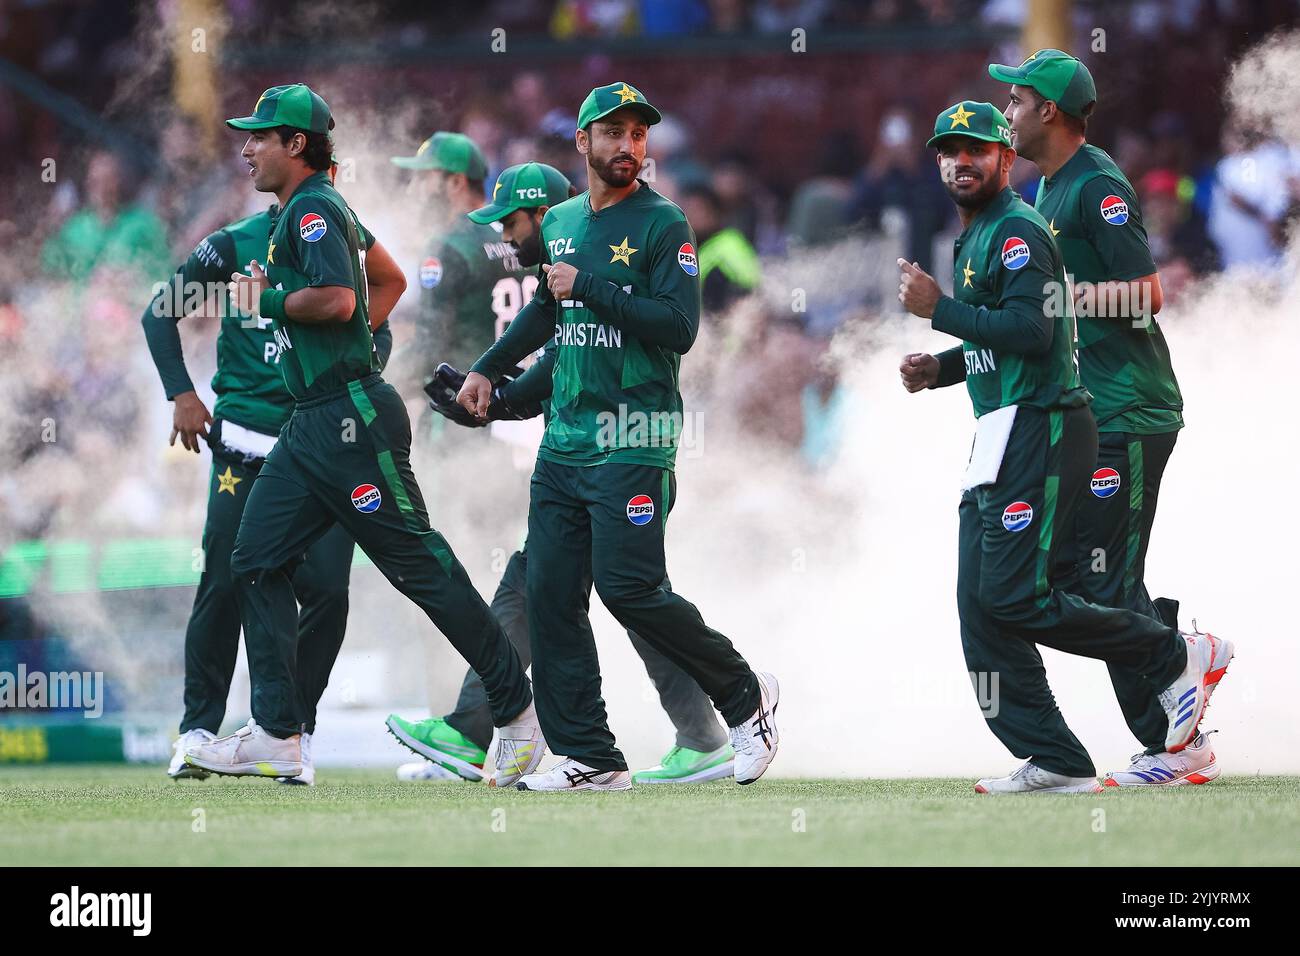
x=190, y=420
x=919, y=371
x=476, y=395
x=560, y=277
x=443, y=392
x=246, y=290
x=917, y=290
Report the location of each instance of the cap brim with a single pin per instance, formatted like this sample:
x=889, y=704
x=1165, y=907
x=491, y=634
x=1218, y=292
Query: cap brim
x=1007, y=74
x=414, y=162
x=645, y=109
x=251, y=122
x=968, y=134
x=490, y=213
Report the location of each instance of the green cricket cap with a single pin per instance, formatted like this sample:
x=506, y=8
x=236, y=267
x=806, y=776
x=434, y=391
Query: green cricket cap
x=296, y=105
x=526, y=186
x=976, y=120
x=1056, y=76
x=604, y=100
x=451, y=152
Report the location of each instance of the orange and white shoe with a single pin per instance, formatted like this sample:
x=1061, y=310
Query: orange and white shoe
x=1192, y=765
x=1184, y=700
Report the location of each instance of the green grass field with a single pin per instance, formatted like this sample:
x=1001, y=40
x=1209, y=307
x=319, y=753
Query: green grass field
x=132, y=816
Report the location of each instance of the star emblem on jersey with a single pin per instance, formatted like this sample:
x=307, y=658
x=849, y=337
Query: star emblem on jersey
x=966, y=273
x=622, y=253
x=270, y=253
x=627, y=94
x=1051, y=224
x=227, y=482
x=961, y=117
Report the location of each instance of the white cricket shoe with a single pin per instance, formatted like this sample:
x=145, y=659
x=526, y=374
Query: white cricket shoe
x=178, y=769
x=571, y=775
x=755, y=741
x=1184, y=700
x=249, y=752
x=520, y=748
x=424, y=770
x=1032, y=778
x=308, y=776
x=1191, y=765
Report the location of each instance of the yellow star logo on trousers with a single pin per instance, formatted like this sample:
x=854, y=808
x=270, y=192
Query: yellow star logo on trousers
x=270, y=253
x=227, y=482
x=1052, y=226
x=966, y=273
x=627, y=94
x=622, y=252
x=961, y=117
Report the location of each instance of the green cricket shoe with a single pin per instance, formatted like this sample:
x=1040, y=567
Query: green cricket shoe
x=682, y=765
x=435, y=739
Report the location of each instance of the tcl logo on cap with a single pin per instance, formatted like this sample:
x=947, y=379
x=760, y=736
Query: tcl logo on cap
x=430, y=272
x=1017, y=516
x=1105, y=482
x=640, y=509
x=686, y=259
x=1114, y=210
x=311, y=227
x=366, y=498
x=1015, y=253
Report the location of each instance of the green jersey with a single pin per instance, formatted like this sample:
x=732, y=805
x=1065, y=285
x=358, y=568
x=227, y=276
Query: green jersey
x=316, y=241
x=1019, y=346
x=1093, y=212
x=249, y=387
x=618, y=342
x=471, y=287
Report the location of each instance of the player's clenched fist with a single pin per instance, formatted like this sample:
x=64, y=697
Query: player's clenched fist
x=559, y=279
x=475, y=395
x=920, y=371
x=246, y=290
x=917, y=289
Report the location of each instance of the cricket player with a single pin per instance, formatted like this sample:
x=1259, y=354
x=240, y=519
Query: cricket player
x=471, y=283
x=252, y=405
x=1092, y=212
x=1031, y=462
x=621, y=298
x=522, y=195
x=342, y=457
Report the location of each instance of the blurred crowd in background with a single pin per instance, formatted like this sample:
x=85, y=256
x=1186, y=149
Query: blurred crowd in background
x=796, y=173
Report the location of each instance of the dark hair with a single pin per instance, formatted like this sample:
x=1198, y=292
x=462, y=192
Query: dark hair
x=1075, y=124
x=476, y=186
x=573, y=190
x=318, y=154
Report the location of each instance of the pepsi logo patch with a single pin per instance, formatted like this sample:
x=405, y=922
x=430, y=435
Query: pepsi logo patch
x=366, y=498
x=1114, y=210
x=686, y=259
x=640, y=509
x=311, y=227
x=430, y=272
x=1015, y=253
x=1017, y=516
x=1105, y=482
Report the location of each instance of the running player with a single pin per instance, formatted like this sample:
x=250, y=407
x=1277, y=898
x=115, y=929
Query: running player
x=341, y=457
x=1092, y=212
x=252, y=405
x=1034, y=448
x=522, y=196
x=621, y=298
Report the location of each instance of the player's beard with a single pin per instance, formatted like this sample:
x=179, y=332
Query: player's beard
x=528, y=253
x=978, y=198
x=618, y=178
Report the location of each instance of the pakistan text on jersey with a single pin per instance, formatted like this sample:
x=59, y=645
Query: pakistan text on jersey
x=501, y=250
x=589, y=333
x=981, y=360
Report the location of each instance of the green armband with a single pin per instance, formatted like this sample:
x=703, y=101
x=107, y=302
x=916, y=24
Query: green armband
x=271, y=304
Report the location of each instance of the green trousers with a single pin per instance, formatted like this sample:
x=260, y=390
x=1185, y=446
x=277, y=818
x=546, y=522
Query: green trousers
x=686, y=705
x=1108, y=562
x=345, y=459
x=320, y=585
x=605, y=524
x=1011, y=536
